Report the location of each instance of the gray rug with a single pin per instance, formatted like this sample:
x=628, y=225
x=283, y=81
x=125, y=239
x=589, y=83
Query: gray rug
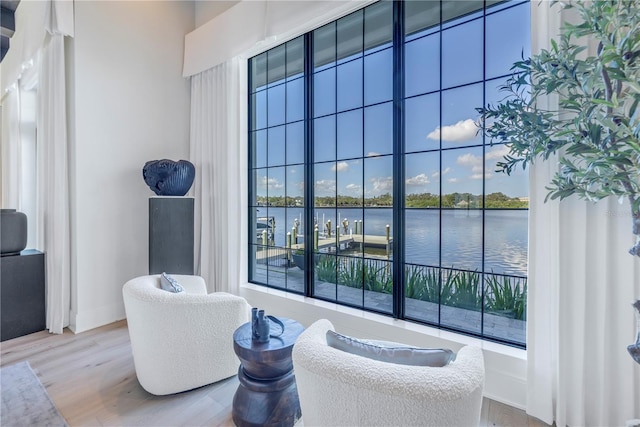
x=25, y=401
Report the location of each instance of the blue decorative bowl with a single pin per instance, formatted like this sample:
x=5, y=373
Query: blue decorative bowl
x=169, y=178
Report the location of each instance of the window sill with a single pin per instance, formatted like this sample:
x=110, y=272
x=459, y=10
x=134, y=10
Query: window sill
x=379, y=319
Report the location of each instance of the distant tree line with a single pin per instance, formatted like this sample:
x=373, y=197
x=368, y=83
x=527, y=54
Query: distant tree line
x=424, y=200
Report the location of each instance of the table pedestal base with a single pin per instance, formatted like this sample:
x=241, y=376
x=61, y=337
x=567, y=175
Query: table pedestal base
x=267, y=402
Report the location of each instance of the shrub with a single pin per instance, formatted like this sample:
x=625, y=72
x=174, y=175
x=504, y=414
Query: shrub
x=351, y=273
x=326, y=268
x=461, y=289
x=422, y=283
x=506, y=296
x=415, y=282
x=378, y=277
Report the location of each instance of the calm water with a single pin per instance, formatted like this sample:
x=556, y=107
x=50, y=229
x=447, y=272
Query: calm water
x=459, y=231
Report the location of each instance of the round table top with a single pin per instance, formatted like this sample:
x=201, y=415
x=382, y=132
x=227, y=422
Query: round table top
x=292, y=329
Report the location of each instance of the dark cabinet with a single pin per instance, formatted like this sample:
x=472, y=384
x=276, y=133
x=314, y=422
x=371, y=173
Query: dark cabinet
x=22, y=296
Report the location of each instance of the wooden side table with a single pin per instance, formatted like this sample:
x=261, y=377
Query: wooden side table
x=267, y=394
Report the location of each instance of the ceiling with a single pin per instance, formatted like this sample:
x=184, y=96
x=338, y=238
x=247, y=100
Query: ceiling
x=7, y=24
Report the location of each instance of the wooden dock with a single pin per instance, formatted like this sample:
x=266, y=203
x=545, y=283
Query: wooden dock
x=380, y=242
x=372, y=241
x=327, y=242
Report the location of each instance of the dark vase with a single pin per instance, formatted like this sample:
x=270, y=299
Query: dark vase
x=13, y=231
x=169, y=178
x=254, y=323
x=262, y=327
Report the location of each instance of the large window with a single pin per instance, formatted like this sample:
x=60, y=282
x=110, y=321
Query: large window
x=370, y=184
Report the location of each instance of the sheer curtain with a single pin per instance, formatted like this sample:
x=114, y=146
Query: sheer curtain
x=11, y=148
x=218, y=149
x=53, y=226
x=582, y=283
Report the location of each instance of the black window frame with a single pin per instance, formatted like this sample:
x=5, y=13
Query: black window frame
x=399, y=263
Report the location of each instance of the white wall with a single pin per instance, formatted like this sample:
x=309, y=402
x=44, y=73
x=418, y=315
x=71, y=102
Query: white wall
x=207, y=10
x=129, y=104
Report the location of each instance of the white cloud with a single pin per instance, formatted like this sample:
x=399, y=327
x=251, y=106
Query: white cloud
x=325, y=187
x=436, y=174
x=373, y=154
x=472, y=161
x=453, y=180
x=469, y=159
x=464, y=130
x=479, y=175
x=270, y=183
x=497, y=153
x=382, y=184
x=421, y=179
x=493, y=156
x=475, y=163
x=355, y=189
x=340, y=167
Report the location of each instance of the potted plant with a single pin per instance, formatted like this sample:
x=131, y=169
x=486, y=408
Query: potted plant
x=595, y=129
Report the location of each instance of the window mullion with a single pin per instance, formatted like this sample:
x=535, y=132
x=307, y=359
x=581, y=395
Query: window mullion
x=251, y=173
x=308, y=165
x=398, y=160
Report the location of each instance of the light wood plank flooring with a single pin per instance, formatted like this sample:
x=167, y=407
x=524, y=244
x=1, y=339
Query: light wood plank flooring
x=91, y=379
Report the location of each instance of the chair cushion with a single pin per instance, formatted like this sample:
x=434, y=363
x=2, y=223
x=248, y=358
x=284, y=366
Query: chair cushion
x=391, y=352
x=170, y=284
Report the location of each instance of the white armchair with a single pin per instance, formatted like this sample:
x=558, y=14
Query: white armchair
x=337, y=388
x=181, y=341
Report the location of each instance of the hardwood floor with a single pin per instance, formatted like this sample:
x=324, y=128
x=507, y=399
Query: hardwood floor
x=91, y=379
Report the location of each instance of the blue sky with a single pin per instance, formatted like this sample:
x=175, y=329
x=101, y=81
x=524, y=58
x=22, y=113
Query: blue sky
x=353, y=117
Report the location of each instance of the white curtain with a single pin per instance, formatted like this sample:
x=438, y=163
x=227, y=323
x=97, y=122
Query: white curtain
x=11, y=148
x=217, y=149
x=582, y=283
x=53, y=173
x=18, y=147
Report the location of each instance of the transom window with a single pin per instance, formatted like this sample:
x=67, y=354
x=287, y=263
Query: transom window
x=370, y=184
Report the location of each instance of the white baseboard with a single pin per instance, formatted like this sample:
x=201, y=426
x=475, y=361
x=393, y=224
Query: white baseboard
x=97, y=317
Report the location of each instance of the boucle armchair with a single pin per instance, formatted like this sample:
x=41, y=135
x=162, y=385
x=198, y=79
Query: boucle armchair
x=337, y=388
x=181, y=341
